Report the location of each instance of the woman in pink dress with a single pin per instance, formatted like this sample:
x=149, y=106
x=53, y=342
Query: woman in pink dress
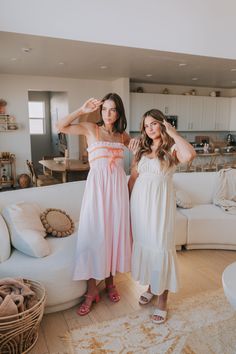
x=104, y=241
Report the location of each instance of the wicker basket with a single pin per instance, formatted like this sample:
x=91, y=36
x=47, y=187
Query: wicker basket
x=19, y=333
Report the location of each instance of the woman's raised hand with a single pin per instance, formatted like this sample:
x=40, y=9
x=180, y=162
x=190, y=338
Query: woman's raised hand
x=134, y=145
x=171, y=131
x=91, y=105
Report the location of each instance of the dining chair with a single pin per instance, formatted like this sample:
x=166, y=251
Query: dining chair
x=40, y=180
x=47, y=171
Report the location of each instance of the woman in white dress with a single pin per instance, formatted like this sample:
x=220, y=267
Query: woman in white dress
x=153, y=208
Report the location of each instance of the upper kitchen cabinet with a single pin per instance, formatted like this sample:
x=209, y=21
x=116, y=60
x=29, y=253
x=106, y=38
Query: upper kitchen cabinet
x=139, y=104
x=203, y=113
x=188, y=109
x=209, y=113
x=216, y=113
x=223, y=113
x=233, y=114
x=183, y=112
x=165, y=103
x=195, y=113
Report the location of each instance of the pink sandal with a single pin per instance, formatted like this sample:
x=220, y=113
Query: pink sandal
x=113, y=293
x=84, y=309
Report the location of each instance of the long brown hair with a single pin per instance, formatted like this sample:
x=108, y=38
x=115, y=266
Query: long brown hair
x=121, y=122
x=163, y=152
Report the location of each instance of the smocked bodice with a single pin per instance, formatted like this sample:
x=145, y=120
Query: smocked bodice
x=153, y=166
x=106, y=154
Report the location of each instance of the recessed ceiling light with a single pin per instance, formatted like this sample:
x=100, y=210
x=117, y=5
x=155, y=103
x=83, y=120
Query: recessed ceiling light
x=194, y=78
x=103, y=67
x=148, y=75
x=26, y=49
x=182, y=64
x=233, y=69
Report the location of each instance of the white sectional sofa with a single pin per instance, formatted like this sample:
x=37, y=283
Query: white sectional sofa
x=202, y=226
x=207, y=225
x=55, y=270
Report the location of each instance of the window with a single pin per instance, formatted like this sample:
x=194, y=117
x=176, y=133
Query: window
x=37, y=117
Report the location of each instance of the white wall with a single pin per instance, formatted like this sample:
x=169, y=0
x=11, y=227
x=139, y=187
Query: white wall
x=203, y=27
x=14, y=89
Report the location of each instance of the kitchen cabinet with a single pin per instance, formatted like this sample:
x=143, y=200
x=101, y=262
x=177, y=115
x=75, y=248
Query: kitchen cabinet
x=209, y=113
x=139, y=104
x=183, y=112
x=222, y=113
x=7, y=170
x=142, y=102
x=195, y=113
x=165, y=103
x=189, y=110
x=233, y=114
x=216, y=113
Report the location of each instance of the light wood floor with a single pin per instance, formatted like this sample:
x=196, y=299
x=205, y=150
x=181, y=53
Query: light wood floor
x=200, y=270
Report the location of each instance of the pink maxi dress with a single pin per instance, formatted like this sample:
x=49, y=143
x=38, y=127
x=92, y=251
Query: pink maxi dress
x=104, y=241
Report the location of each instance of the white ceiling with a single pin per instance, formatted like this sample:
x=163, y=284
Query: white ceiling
x=75, y=59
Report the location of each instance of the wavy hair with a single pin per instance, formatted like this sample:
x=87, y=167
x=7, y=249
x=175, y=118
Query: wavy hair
x=121, y=122
x=163, y=152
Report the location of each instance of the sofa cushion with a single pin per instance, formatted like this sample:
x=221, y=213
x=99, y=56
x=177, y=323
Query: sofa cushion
x=200, y=186
x=208, y=224
x=26, y=230
x=57, y=223
x=5, y=248
x=183, y=200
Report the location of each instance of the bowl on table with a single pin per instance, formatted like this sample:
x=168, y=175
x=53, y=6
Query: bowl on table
x=59, y=159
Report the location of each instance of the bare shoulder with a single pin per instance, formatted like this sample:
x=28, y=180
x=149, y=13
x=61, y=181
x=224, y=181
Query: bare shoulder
x=88, y=127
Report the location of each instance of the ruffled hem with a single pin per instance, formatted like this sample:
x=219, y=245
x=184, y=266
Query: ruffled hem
x=157, y=268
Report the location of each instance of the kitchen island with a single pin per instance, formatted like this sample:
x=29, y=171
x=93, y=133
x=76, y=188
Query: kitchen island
x=210, y=161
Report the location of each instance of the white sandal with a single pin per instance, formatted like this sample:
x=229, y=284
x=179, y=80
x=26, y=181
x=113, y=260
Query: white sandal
x=160, y=313
x=147, y=296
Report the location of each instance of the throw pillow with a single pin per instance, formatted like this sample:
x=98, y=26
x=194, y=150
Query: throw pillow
x=57, y=222
x=5, y=248
x=183, y=200
x=26, y=230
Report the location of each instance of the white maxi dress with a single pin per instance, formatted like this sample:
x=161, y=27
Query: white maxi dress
x=153, y=210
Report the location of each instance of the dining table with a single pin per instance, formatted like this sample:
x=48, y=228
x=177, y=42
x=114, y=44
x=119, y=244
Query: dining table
x=65, y=166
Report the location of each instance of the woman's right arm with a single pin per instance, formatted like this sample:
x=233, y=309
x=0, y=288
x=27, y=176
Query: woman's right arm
x=65, y=125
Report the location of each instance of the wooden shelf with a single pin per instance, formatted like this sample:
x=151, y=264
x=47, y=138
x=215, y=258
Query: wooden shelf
x=7, y=171
x=7, y=123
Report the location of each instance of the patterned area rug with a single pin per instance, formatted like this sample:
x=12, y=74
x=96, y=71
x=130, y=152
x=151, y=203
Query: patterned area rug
x=204, y=324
